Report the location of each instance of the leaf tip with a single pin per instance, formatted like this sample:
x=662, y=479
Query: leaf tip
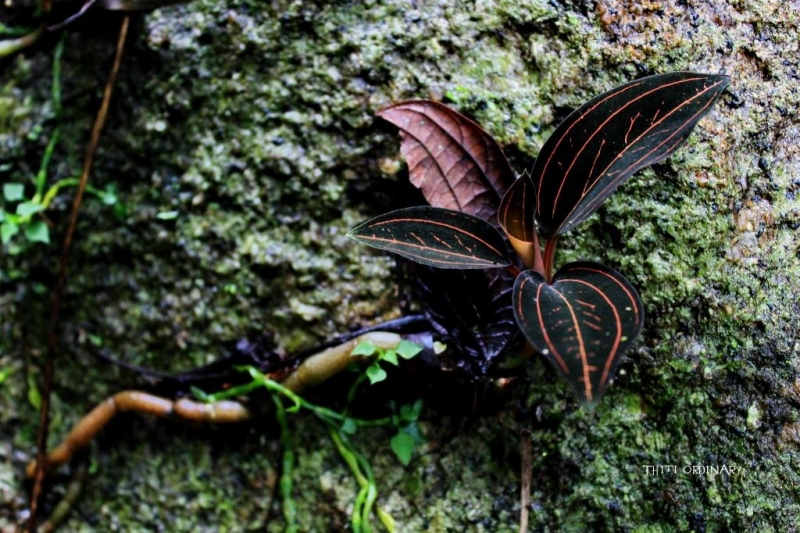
x=591, y=405
x=721, y=81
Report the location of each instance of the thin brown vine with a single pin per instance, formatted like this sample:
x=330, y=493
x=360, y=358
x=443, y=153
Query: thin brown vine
x=52, y=337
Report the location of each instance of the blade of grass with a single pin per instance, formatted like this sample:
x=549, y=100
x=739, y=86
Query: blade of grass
x=287, y=467
x=55, y=98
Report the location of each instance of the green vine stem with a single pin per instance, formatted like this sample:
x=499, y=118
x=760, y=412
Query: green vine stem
x=359, y=466
x=287, y=467
x=55, y=91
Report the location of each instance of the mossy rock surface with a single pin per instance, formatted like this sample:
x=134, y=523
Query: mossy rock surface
x=242, y=142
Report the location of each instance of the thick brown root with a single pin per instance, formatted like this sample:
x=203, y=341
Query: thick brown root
x=315, y=370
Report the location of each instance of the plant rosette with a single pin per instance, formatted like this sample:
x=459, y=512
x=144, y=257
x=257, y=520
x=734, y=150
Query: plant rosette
x=585, y=316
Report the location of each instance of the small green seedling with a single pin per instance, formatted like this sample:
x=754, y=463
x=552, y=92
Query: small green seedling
x=341, y=427
x=21, y=212
x=26, y=216
x=375, y=374
x=408, y=434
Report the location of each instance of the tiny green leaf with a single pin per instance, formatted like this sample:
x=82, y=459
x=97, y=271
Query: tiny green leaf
x=199, y=394
x=37, y=231
x=375, y=373
x=407, y=349
x=230, y=288
x=39, y=288
x=120, y=211
x=109, y=196
x=167, y=215
x=7, y=230
x=364, y=348
x=34, y=397
x=413, y=431
x=390, y=356
x=26, y=209
x=13, y=192
x=349, y=426
x=410, y=412
x=403, y=446
x=436, y=237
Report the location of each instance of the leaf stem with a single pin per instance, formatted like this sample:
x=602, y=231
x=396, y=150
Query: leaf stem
x=538, y=263
x=351, y=394
x=53, y=190
x=549, y=254
x=287, y=467
x=514, y=270
x=360, y=516
x=260, y=380
x=55, y=91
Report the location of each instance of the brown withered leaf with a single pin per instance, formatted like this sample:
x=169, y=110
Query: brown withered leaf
x=455, y=163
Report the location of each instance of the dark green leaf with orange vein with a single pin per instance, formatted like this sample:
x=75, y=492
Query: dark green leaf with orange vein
x=516, y=216
x=607, y=139
x=518, y=209
x=436, y=237
x=582, y=322
x=470, y=310
x=454, y=162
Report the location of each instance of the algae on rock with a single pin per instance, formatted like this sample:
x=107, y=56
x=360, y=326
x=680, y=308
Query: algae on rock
x=254, y=122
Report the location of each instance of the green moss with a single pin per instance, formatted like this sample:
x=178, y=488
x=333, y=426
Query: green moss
x=254, y=123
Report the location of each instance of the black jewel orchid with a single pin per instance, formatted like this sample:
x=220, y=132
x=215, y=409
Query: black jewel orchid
x=583, y=318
